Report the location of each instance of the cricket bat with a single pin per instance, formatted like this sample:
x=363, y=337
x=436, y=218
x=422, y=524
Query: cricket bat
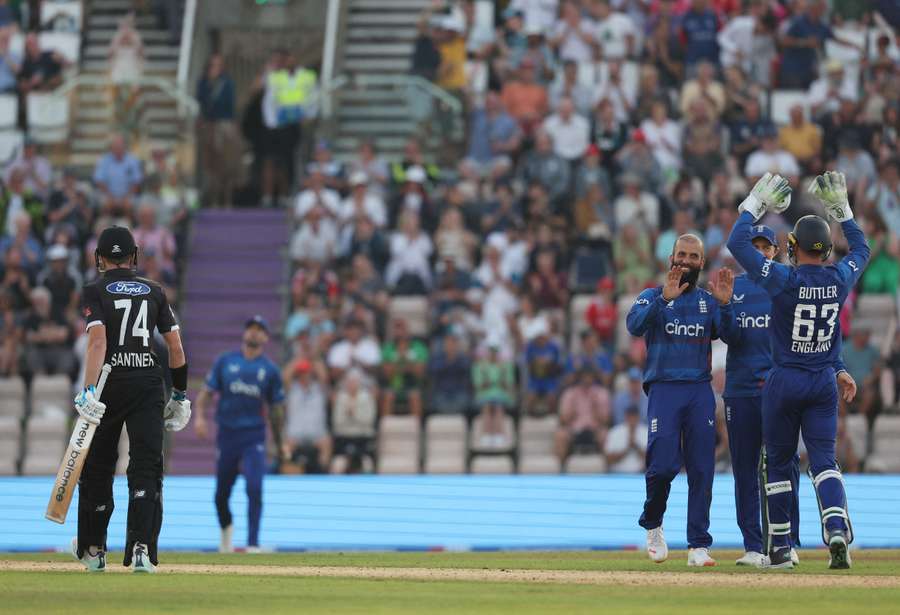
x=73, y=461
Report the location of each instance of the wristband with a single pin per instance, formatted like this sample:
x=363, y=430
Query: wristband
x=179, y=377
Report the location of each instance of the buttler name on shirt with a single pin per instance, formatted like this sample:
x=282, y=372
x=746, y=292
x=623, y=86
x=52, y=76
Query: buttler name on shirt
x=818, y=292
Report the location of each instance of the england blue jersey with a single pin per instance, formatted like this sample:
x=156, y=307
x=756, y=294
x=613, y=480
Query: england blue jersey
x=750, y=341
x=678, y=334
x=244, y=386
x=806, y=300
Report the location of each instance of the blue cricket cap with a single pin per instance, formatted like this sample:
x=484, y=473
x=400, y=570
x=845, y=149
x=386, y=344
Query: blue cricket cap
x=761, y=230
x=258, y=321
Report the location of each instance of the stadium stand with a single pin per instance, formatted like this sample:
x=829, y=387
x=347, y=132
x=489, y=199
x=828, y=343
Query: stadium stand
x=482, y=174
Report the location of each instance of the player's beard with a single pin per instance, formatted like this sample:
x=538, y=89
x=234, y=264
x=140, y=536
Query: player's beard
x=690, y=276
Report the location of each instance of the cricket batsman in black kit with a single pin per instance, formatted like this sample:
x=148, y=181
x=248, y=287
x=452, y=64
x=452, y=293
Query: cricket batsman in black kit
x=121, y=311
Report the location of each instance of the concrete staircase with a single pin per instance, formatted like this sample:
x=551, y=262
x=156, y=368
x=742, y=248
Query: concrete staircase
x=377, y=41
x=235, y=269
x=92, y=115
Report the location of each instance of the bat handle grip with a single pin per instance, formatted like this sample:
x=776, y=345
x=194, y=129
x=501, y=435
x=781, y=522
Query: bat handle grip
x=101, y=382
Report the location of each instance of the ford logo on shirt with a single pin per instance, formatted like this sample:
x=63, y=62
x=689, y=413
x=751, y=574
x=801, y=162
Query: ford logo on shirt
x=131, y=289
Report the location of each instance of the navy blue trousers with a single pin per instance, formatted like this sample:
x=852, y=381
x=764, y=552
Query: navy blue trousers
x=797, y=401
x=241, y=452
x=743, y=417
x=682, y=431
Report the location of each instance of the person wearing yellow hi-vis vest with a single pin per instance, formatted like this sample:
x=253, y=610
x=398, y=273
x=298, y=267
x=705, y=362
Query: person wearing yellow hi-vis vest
x=292, y=89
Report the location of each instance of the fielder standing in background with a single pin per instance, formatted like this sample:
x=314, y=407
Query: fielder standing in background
x=679, y=321
x=245, y=380
x=121, y=311
x=749, y=361
x=800, y=394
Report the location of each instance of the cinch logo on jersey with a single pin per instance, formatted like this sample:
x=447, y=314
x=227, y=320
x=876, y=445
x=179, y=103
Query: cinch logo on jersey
x=753, y=322
x=132, y=289
x=674, y=328
x=239, y=387
x=764, y=272
x=132, y=359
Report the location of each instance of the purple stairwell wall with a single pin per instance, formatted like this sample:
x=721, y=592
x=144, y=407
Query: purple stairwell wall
x=235, y=270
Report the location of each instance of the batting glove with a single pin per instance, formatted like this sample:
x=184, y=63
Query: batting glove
x=177, y=412
x=831, y=189
x=90, y=408
x=771, y=192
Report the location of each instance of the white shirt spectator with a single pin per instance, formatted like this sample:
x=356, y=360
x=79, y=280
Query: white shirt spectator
x=642, y=211
x=354, y=415
x=499, y=304
x=736, y=42
x=37, y=172
x=819, y=96
x=779, y=161
x=570, y=138
x=344, y=354
x=539, y=14
x=306, y=413
x=573, y=46
x=315, y=242
x=665, y=141
x=409, y=256
x=307, y=199
x=617, y=442
x=612, y=33
x=622, y=95
x=372, y=206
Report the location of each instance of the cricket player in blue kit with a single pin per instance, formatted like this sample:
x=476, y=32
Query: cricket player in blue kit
x=679, y=321
x=244, y=380
x=800, y=394
x=749, y=361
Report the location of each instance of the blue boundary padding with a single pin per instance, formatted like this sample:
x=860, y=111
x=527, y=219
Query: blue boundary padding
x=437, y=513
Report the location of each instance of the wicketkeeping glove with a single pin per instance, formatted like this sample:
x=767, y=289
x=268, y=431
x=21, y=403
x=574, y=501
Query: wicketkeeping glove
x=177, y=412
x=771, y=192
x=90, y=408
x=831, y=189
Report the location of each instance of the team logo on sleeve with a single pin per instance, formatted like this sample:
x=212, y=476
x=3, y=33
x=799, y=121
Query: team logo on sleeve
x=234, y=368
x=738, y=298
x=261, y=374
x=642, y=301
x=132, y=289
x=853, y=265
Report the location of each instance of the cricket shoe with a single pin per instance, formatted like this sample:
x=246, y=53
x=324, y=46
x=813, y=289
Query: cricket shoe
x=225, y=544
x=700, y=557
x=93, y=563
x=780, y=558
x=753, y=558
x=795, y=557
x=657, y=548
x=140, y=562
x=253, y=549
x=840, y=550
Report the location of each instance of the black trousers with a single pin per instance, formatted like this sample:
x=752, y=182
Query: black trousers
x=135, y=399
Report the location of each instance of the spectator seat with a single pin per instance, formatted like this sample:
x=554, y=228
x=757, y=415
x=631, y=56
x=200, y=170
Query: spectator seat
x=536, y=452
x=593, y=463
x=48, y=117
x=9, y=444
x=496, y=464
x=445, y=444
x=398, y=445
x=66, y=44
x=782, y=101
x=12, y=398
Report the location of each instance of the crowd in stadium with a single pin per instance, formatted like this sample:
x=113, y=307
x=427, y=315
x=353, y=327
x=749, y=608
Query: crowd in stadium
x=564, y=189
x=563, y=203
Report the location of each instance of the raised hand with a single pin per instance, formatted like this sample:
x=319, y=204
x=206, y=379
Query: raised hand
x=722, y=285
x=831, y=189
x=673, y=286
x=771, y=192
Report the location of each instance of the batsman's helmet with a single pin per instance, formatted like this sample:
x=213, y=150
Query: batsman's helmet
x=116, y=243
x=811, y=234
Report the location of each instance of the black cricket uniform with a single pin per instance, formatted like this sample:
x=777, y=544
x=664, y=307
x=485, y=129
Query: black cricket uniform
x=130, y=308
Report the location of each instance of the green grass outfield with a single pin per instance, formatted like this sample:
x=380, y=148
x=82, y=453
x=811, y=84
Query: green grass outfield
x=647, y=588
